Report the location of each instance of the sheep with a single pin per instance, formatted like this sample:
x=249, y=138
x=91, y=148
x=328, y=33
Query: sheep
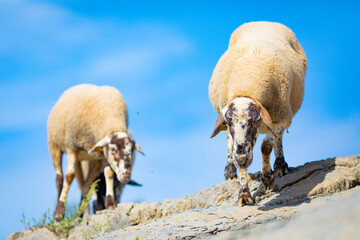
x=90, y=123
x=257, y=87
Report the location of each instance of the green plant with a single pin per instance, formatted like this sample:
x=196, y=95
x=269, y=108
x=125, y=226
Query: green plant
x=26, y=223
x=86, y=235
x=99, y=228
x=64, y=226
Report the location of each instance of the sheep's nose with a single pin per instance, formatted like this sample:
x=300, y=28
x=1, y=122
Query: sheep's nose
x=124, y=178
x=240, y=149
x=241, y=159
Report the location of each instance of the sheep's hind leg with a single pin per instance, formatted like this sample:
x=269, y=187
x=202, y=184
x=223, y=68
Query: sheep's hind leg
x=280, y=166
x=70, y=174
x=95, y=169
x=244, y=191
x=99, y=197
x=90, y=170
x=267, y=176
x=230, y=169
x=79, y=175
x=56, y=155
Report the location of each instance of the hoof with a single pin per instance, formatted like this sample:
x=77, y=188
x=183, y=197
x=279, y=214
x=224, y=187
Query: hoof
x=245, y=197
x=110, y=202
x=98, y=206
x=59, y=211
x=230, y=172
x=267, y=179
x=280, y=167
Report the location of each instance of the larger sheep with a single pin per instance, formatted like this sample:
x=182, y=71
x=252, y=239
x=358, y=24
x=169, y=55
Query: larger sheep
x=89, y=122
x=257, y=87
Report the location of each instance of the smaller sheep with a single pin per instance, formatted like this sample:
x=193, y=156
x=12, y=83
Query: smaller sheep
x=257, y=87
x=90, y=123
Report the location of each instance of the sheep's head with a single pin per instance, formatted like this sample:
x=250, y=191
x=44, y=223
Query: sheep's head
x=118, y=149
x=242, y=117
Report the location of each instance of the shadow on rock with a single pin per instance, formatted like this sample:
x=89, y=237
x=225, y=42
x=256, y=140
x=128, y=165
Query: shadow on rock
x=297, y=186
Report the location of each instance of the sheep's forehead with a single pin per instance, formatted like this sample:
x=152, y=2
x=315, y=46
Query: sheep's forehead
x=239, y=107
x=122, y=141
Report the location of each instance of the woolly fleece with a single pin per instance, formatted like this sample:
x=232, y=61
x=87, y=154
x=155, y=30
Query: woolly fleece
x=264, y=61
x=85, y=114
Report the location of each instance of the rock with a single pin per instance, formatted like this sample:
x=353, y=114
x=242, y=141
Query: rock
x=36, y=234
x=338, y=219
x=101, y=223
x=253, y=223
x=213, y=212
x=144, y=212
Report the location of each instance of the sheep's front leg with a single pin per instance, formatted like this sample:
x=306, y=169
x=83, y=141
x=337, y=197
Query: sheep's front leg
x=280, y=166
x=109, y=180
x=230, y=169
x=244, y=191
x=70, y=173
x=267, y=176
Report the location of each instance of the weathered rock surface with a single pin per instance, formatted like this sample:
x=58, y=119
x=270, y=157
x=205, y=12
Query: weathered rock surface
x=307, y=192
x=38, y=234
x=327, y=217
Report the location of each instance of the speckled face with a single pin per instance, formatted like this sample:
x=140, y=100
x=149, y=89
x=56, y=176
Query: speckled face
x=243, y=120
x=120, y=150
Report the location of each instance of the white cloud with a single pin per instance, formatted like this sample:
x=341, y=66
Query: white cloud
x=136, y=61
x=44, y=33
x=53, y=48
x=31, y=29
x=123, y=63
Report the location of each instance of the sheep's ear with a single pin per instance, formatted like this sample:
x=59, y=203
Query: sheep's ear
x=265, y=116
x=97, y=148
x=138, y=148
x=220, y=125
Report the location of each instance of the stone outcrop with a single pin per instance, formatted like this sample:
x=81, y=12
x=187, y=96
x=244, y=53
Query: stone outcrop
x=304, y=193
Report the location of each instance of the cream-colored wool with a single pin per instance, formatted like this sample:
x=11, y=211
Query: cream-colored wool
x=264, y=61
x=84, y=115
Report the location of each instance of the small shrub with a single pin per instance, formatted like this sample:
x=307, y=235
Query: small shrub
x=63, y=227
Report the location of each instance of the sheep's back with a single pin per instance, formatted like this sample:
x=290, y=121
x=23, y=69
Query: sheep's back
x=86, y=113
x=261, y=58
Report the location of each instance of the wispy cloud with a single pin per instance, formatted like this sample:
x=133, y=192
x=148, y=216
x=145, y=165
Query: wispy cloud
x=35, y=31
x=137, y=61
x=48, y=48
x=41, y=33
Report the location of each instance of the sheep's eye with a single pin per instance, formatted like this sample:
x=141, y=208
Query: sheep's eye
x=113, y=150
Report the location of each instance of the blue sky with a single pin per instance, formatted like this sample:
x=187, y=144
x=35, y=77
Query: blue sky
x=161, y=57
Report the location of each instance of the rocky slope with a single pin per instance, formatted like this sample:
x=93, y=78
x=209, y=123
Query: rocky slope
x=311, y=201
